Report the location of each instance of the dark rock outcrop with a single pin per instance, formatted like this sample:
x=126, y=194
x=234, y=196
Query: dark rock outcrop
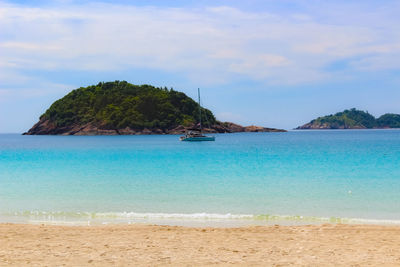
x=46, y=127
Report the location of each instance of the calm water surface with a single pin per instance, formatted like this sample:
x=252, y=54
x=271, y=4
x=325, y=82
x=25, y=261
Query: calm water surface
x=348, y=176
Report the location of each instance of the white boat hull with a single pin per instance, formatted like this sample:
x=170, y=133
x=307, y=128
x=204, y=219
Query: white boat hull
x=197, y=138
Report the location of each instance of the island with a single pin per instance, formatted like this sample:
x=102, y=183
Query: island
x=122, y=108
x=353, y=119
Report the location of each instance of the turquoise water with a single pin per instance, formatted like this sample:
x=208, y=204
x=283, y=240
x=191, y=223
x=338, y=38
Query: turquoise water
x=348, y=176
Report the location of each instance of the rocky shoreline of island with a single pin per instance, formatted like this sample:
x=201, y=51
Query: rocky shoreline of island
x=46, y=127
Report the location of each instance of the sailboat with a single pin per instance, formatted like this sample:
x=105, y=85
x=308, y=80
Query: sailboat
x=196, y=134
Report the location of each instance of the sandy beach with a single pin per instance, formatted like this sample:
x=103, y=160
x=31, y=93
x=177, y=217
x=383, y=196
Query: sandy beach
x=323, y=245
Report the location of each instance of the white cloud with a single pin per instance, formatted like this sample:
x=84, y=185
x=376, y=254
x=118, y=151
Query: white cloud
x=15, y=85
x=377, y=62
x=212, y=44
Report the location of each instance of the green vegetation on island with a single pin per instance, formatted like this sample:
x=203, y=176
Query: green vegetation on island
x=111, y=108
x=120, y=104
x=389, y=120
x=354, y=119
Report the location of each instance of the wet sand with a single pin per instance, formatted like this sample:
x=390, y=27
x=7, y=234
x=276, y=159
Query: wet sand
x=323, y=245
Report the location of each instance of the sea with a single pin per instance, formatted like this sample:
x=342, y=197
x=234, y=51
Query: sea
x=241, y=179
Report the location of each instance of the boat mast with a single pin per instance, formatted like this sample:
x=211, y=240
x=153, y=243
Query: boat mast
x=198, y=93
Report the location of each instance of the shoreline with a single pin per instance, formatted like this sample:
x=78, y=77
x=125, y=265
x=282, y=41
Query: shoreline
x=219, y=220
x=326, y=244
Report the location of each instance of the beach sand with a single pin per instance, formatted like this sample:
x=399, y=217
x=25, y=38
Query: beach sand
x=122, y=245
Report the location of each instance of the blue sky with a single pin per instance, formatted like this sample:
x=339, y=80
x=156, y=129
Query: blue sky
x=271, y=63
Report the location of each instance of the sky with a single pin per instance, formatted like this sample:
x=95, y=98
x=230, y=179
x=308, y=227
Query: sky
x=257, y=62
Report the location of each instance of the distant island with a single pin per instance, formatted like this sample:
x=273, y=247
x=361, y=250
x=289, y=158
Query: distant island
x=121, y=108
x=354, y=119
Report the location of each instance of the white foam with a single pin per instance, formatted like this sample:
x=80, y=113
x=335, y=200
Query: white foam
x=189, y=216
x=87, y=218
